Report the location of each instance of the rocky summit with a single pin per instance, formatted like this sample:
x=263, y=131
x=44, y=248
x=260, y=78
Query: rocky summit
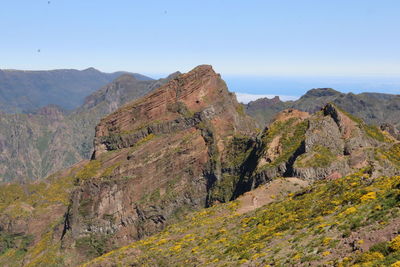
x=182, y=176
x=373, y=108
x=158, y=158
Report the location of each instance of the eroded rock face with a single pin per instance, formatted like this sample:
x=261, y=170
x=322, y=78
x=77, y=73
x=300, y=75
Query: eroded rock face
x=182, y=103
x=159, y=156
x=391, y=129
x=184, y=146
x=36, y=145
x=373, y=108
x=326, y=145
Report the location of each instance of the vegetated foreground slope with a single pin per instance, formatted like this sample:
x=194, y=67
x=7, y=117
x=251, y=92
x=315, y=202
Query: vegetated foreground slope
x=155, y=160
x=350, y=221
x=373, y=108
x=36, y=145
x=189, y=145
x=26, y=91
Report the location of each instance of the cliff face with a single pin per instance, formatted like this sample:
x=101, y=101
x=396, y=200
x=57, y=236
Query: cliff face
x=349, y=221
x=348, y=164
x=38, y=144
x=157, y=158
x=326, y=145
x=189, y=145
x=184, y=146
x=373, y=108
x=183, y=102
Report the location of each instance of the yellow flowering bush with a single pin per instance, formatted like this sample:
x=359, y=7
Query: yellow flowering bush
x=371, y=256
x=326, y=253
x=395, y=243
x=368, y=196
x=349, y=211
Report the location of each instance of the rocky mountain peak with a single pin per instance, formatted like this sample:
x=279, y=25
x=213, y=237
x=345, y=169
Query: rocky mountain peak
x=163, y=153
x=321, y=92
x=345, y=123
x=91, y=69
x=174, y=75
x=264, y=102
x=184, y=101
x=185, y=146
x=125, y=77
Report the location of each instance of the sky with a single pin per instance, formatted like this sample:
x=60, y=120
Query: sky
x=286, y=46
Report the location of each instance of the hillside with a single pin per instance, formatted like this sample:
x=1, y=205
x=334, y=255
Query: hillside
x=26, y=91
x=37, y=144
x=305, y=190
x=373, y=108
x=350, y=221
x=49, y=139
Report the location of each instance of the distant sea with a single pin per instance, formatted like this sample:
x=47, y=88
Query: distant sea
x=290, y=88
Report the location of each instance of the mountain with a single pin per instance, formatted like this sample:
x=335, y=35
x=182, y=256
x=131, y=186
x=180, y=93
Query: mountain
x=303, y=191
x=328, y=212
x=163, y=153
x=48, y=139
x=350, y=221
x=26, y=91
x=373, y=108
x=263, y=110
x=37, y=144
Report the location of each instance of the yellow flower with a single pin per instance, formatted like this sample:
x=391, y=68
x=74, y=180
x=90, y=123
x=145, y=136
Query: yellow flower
x=176, y=248
x=326, y=241
x=161, y=242
x=372, y=256
x=349, y=211
x=297, y=256
x=368, y=196
x=326, y=253
x=395, y=243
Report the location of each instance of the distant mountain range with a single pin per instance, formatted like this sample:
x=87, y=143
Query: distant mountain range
x=183, y=177
x=34, y=145
x=37, y=143
x=373, y=108
x=26, y=91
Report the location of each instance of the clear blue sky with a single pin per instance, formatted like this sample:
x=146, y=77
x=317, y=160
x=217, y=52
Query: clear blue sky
x=238, y=37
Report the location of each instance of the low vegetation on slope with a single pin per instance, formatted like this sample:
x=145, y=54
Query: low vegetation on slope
x=337, y=223
x=188, y=145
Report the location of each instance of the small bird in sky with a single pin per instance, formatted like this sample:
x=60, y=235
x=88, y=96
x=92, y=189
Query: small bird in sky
x=38, y=50
x=165, y=11
x=48, y=2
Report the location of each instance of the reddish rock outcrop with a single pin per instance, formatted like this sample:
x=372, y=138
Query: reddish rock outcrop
x=159, y=156
x=184, y=146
